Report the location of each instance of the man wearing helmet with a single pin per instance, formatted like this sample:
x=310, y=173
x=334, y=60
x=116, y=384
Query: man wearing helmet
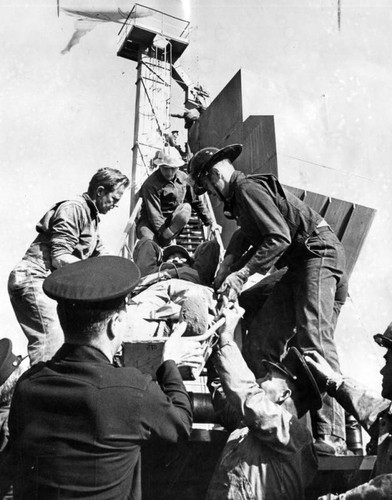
x=372, y=412
x=167, y=206
x=280, y=230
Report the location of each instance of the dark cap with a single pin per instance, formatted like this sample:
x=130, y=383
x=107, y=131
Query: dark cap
x=385, y=339
x=95, y=280
x=8, y=361
x=294, y=366
x=202, y=162
x=170, y=250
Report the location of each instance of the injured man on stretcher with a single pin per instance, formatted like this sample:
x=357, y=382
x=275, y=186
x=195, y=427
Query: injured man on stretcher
x=176, y=299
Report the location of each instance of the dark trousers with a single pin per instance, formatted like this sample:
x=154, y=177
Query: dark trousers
x=148, y=257
x=302, y=310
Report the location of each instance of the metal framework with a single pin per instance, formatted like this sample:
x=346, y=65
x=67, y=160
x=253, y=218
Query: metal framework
x=154, y=40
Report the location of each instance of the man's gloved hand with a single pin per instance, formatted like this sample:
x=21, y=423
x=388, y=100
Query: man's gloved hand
x=233, y=284
x=321, y=370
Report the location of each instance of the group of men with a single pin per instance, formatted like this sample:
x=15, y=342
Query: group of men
x=78, y=419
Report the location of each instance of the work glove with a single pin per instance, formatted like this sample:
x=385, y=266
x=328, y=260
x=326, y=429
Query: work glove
x=233, y=284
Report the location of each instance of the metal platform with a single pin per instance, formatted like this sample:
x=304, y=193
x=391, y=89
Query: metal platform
x=146, y=27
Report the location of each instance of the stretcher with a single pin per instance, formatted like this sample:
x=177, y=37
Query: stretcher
x=166, y=308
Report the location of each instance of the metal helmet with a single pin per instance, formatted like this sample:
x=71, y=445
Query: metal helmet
x=197, y=167
x=203, y=161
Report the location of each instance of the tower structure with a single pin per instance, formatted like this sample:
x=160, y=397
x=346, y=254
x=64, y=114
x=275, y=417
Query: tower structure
x=155, y=41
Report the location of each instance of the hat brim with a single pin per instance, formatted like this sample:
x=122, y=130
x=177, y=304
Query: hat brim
x=160, y=163
x=170, y=250
x=230, y=152
x=303, y=371
x=277, y=366
x=383, y=341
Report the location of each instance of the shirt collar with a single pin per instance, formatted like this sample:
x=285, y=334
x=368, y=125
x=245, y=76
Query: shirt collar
x=92, y=206
x=82, y=353
x=163, y=179
x=232, y=183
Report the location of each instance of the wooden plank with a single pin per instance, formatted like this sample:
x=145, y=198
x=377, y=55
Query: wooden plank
x=318, y=202
x=354, y=236
x=338, y=215
x=259, y=147
x=299, y=193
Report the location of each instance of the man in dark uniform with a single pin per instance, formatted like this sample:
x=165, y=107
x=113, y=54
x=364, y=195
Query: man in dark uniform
x=77, y=421
x=11, y=368
x=283, y=231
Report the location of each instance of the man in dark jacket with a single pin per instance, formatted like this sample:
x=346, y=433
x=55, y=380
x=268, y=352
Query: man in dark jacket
x=283, y=231
x=77, y=421
x=11, y=368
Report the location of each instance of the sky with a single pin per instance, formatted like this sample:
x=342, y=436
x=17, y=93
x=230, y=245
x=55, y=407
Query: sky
x=322, y=68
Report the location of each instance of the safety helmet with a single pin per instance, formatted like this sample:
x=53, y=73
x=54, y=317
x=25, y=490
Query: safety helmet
x=169, y=156
x=202, y=162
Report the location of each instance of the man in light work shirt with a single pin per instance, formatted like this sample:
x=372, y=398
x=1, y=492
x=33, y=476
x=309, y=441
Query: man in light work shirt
x=167, y=206
x=67, y=233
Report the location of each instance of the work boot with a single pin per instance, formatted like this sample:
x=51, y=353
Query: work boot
x=330, y=445
x=179, y=219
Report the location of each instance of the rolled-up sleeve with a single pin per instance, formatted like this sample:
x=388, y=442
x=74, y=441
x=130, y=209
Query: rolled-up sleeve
x=66, y=228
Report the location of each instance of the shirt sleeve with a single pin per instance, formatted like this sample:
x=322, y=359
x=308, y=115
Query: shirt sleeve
x=166, y=409
x=361, y=402
x=268, y=221
x=152, y=206
x=67, y=226
x=268, y=421
x=379, y=487
x=199, y=206
x=228, y=416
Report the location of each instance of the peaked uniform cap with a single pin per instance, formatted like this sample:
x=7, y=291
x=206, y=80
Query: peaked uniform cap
x=385, y=339
x=294, y=366
x=170, y=157
x=8, y=361
x=98, y=279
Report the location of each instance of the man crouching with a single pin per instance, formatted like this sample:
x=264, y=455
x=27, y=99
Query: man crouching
x=269, y=454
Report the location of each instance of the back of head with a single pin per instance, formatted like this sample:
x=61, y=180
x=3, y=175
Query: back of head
x=88, y=293
x=108, y=178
